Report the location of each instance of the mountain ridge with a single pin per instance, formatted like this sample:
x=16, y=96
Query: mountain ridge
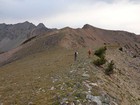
x=13, y=35
x=41, y=69
x=40, y=38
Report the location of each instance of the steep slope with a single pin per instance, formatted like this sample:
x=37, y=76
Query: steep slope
x=120, y=38
x=90, y=37
x=12, y=36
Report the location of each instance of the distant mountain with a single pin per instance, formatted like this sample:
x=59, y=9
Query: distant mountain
x=25, y=41
x=12, y=36
x=41, y=25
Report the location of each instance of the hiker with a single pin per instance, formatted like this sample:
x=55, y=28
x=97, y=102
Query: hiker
x=89, y=53
x=75, y=55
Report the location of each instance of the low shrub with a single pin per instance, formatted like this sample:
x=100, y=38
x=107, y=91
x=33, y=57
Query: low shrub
x=110, y=68
x=99, y=61
x=100, y=52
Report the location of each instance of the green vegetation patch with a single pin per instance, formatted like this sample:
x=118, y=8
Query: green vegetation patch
x=99, y=61
x=109, y=69
x=100, y=52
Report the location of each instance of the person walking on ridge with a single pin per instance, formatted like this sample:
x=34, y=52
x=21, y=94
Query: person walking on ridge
x=89, y=53
x=75, y=55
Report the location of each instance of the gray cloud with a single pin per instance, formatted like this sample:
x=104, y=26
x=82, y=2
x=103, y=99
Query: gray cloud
x=111, y=14
x=36, y=8
x=28, y=9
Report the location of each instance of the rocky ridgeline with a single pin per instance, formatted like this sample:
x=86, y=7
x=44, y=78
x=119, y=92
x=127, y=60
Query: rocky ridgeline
x=81, y=83
x=81, y=86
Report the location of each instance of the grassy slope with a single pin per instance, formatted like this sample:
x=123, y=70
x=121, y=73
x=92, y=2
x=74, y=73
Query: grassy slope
x=48, y=77
x=19, y=80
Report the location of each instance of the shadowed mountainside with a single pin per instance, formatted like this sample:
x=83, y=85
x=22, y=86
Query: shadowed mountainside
x=12, y=36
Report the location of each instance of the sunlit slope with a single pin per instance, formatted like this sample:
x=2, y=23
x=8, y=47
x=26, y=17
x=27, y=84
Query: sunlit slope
x=19, y=80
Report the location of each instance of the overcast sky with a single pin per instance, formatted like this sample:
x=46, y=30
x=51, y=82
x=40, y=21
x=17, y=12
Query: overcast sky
x=108, y=14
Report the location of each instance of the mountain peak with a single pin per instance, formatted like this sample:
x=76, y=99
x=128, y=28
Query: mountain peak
x=87, y=26
x=41, y=25
x=26, y=22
